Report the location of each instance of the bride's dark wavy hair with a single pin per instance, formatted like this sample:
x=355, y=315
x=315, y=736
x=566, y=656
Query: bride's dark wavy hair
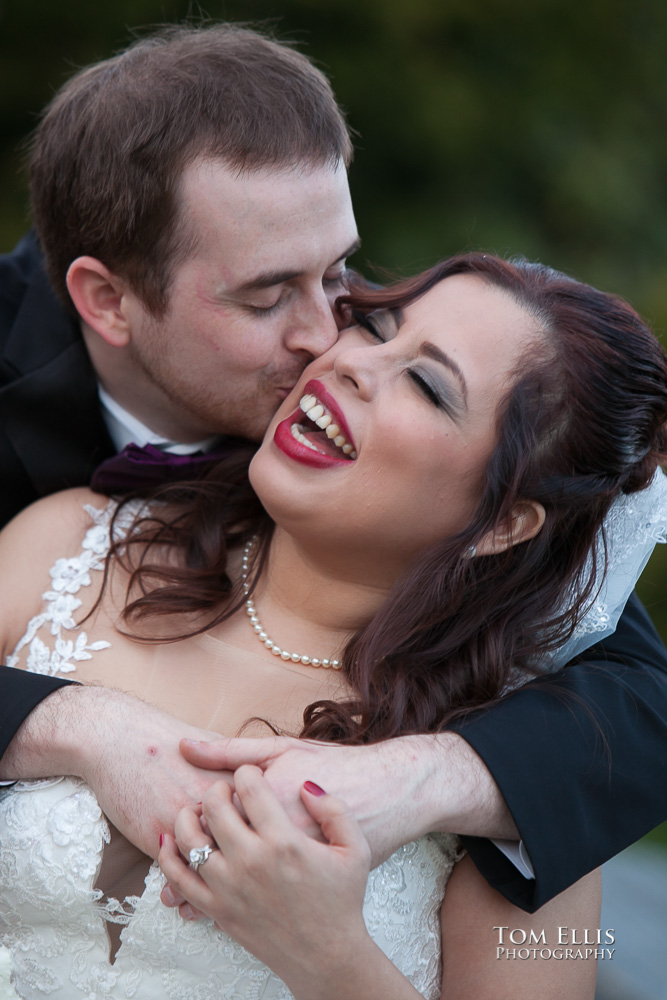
x=582, y=422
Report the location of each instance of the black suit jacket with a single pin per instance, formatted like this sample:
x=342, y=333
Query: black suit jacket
x=51, y=430
x=581, y=759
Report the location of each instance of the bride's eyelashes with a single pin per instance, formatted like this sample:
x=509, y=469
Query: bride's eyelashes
x=366, y=323
x=429, y=390
x=420, y=379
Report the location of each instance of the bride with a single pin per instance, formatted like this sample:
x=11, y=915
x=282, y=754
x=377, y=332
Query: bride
x=420, y=536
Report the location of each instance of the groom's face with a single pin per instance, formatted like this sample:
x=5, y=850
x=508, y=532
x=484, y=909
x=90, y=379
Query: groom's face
x=251, y=304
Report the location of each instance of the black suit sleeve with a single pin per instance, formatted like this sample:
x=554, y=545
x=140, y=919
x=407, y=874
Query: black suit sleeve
x=581, y=760
x=21, y=692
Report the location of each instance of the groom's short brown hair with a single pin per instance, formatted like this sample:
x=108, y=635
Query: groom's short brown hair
x=108, y=155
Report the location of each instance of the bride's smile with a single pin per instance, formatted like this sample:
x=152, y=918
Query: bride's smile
x=317, y=433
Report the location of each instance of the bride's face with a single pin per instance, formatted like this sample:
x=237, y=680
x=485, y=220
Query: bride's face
x=414, y=397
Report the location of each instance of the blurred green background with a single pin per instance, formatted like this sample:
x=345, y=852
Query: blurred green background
x=512, y=125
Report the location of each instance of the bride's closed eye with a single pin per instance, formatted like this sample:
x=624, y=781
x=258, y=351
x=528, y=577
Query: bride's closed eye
x=426, y=385
x=372, y=324
x=366, y=322
x=428, y=388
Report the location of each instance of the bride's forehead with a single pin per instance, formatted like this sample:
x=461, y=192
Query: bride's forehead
x=471, y=310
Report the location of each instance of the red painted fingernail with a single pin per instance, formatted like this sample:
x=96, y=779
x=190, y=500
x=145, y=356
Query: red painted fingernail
x=314, y=789
x=161, y=839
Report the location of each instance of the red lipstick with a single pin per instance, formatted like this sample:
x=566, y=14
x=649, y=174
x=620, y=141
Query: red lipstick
x=294, y=446
x=315, y=388
x=288, y=444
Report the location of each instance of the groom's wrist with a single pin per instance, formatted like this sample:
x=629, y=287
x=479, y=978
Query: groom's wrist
x=456, y=791
x=52, y=739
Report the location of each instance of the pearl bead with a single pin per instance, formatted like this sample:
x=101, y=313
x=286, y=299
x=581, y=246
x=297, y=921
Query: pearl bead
x=251, y=611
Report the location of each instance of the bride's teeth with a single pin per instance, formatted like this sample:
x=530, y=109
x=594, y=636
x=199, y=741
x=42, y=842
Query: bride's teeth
x=316, y=412
x=298, y=436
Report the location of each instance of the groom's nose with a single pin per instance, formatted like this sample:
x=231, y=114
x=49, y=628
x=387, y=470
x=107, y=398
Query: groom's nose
x=312, y=327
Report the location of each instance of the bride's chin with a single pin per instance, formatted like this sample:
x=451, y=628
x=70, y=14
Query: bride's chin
x=292, y=500
x=271, y=481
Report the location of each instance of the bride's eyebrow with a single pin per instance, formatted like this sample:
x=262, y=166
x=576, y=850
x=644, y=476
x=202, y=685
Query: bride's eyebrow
x=431, y=351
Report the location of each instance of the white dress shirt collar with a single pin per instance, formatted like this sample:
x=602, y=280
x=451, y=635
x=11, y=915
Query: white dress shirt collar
x=125, y=429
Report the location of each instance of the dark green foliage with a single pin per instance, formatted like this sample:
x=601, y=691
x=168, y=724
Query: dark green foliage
x=523, y=127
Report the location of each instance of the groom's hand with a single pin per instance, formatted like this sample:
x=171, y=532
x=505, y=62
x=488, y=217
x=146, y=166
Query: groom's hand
x=397, y=790
x=126, y=750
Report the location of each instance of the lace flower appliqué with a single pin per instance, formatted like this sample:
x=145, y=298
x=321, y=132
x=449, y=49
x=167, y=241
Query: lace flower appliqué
x=68, y=576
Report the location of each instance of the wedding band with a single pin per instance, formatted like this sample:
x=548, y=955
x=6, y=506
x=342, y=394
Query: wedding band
x=199, y=855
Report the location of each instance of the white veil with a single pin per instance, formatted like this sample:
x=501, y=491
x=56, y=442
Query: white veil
x=633, y=527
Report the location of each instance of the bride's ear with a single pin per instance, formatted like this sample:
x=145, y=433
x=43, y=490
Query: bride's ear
x=524, y=522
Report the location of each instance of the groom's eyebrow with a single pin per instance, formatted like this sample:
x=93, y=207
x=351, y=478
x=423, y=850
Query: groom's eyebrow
x=270, y=278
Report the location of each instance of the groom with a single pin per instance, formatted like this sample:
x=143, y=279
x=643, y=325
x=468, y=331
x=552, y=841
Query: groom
x=191, y=202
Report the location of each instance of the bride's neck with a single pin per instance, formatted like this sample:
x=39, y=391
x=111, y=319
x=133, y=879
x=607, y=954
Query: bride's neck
x=305, y=592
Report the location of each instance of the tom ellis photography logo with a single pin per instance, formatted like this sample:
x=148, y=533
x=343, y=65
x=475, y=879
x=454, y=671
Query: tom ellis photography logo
x=567, y=943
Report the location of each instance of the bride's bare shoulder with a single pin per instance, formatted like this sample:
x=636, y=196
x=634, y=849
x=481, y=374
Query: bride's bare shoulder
x=30, y=544
x=50, y=523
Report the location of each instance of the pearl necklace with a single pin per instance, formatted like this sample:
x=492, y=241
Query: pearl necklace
x=251, y=611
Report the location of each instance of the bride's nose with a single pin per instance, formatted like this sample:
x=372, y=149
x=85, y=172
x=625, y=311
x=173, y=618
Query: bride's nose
x=360, y=366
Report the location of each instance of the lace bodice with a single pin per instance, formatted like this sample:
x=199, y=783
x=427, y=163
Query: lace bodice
x=53, y=834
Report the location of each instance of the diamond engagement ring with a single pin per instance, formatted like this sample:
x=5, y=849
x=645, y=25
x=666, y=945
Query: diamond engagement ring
x=198, y=855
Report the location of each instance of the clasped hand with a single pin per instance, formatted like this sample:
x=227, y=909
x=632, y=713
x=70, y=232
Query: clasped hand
x=270, y=886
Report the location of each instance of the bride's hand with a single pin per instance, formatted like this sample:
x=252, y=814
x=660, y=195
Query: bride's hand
x=397, y=790
x=292, y=901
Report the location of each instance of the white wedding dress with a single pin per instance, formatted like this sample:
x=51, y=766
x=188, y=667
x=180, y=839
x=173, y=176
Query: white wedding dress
x=52, y=837
x=54, y=923
x=53, y=833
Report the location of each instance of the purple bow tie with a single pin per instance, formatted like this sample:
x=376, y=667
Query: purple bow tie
x=135, y=468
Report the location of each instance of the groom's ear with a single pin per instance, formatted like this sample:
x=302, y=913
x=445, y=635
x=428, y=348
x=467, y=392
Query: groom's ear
x=524, y=522
x=99, y=298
